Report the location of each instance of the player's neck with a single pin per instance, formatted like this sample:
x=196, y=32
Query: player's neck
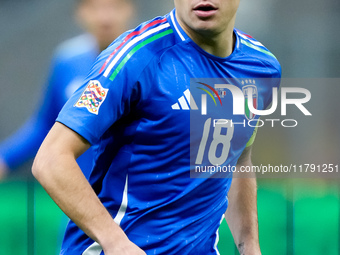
x=219, y=44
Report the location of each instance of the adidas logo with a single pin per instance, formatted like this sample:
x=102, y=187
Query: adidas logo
x=185, y=102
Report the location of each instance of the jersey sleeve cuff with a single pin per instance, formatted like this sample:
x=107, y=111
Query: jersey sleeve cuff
x=83, y=132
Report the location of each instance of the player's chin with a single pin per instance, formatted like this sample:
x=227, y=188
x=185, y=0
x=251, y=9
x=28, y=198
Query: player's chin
x=207, y=29
x=206, y=24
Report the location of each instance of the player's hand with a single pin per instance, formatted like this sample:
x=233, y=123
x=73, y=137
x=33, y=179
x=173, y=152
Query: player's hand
x=3, y=169
x=127, y=249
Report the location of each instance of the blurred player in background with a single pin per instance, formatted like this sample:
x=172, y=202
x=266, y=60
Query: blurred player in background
x=134, y=109
x=103, y=20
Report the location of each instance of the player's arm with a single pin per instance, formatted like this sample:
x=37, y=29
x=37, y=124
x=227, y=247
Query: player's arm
x=55, y=167
x=241, y=214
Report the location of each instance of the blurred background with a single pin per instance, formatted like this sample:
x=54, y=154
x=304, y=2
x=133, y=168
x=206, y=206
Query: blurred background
x=297, y=214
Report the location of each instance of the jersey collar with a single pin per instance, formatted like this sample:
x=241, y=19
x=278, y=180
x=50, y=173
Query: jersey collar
x=181, y=35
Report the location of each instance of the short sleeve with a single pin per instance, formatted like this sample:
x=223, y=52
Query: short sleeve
x=101, y=100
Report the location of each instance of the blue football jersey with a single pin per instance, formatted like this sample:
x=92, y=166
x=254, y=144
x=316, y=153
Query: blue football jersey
x=138, y=108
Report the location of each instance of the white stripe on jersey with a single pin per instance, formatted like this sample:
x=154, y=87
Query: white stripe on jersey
x=250, y=40
x=93, y=249
x=218, y=237
x=175, y=25
x=123, y=205
x=131, y=43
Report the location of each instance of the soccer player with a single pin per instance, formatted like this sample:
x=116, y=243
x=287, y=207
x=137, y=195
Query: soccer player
x=104, y=20
x=134, y=110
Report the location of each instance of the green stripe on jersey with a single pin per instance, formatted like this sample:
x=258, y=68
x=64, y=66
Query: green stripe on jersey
x=257, y=48
x=135, y=49
x=253, y=136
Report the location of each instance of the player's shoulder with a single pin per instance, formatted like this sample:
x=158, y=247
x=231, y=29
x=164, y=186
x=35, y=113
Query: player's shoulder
x=76, y=46
x=252, y=48
x=137, y=47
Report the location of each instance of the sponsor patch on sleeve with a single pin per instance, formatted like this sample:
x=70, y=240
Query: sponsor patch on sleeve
x=93, y=97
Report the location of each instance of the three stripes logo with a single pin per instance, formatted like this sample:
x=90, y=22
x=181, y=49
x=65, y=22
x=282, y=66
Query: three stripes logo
x=241, y=98
x=185, y=102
